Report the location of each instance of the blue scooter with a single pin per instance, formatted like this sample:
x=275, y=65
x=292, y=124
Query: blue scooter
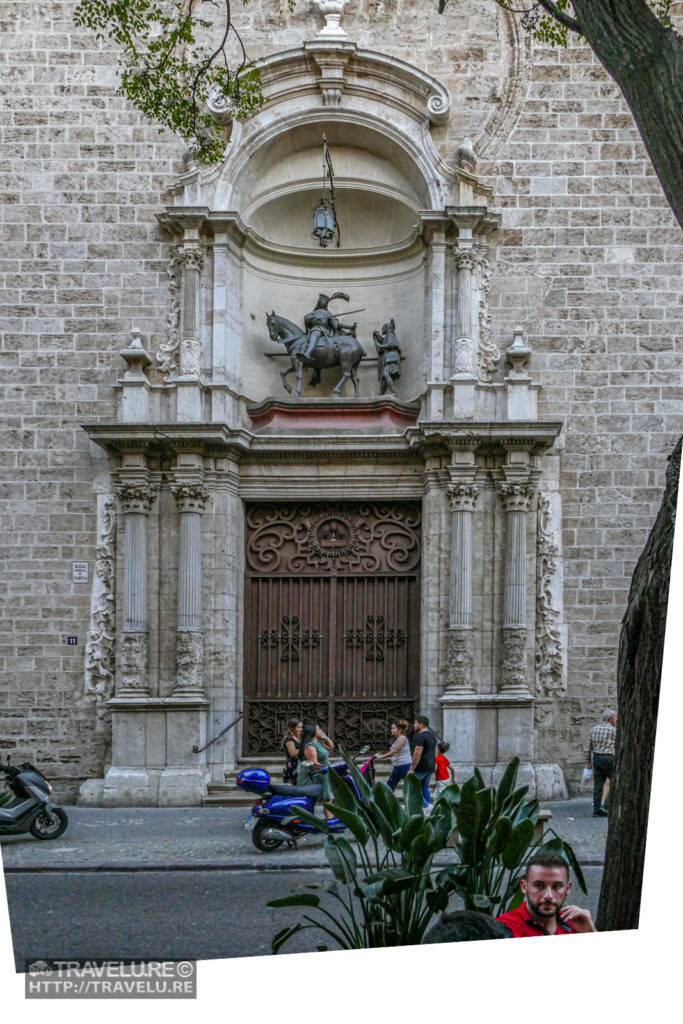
x=278, y=802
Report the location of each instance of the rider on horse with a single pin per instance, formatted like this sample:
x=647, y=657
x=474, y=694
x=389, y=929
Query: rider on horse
x=321, y=325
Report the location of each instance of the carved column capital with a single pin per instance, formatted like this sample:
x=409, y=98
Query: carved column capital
x=464, y=259
x=192, y=257
x=460, y=660
x=513, y=669
x=516, y=497
x=462, y=496
x=190, y=497
x=136, y=498
x=132, y=664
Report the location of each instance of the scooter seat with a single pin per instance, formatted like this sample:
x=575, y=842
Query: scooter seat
x=285, y=790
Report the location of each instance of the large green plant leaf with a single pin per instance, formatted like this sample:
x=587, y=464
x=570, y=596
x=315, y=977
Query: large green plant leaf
x=341, y=791
x=469, y=810
x=342, y=858
x=412, y=827
x=500, y=836
x=389, y=805
x=518, y=844
x=412, y=794
x=353, y=821
x=297, y=899
x=320, y=824
x=363, y=787
x=507, y=783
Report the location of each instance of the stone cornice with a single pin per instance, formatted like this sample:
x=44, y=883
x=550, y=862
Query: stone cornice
x=535, y=436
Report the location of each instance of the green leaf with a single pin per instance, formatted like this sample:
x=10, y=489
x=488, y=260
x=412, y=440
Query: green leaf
x=320, y=824
x=412, y=827
x=284, y=936
x=507, y=783
x=352, y=821
x=363, y=787
x=518, y=844
x=302, y=899
x=342, y=859
x=412, y=794
x=341, y=791
x=469, y=810
x=500, y=836
x=389, y=805
x=482, y=902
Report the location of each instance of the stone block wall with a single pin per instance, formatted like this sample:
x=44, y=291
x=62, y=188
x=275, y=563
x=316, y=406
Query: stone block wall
x=587, y=261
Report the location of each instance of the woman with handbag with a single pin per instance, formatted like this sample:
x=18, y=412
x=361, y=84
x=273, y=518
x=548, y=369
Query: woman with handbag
x=313, y=757
x=291, y=745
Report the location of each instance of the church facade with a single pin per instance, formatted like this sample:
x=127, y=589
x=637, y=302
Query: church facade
x=200, y=551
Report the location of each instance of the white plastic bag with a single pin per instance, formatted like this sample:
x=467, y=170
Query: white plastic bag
x=587, y=777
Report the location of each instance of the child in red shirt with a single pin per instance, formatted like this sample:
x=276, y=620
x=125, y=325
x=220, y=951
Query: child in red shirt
x=444, y=768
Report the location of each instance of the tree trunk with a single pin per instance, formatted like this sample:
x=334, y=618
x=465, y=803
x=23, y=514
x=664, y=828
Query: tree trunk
x=638, y=682
x=646, y=61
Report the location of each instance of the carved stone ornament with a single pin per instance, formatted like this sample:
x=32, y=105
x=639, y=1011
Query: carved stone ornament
x=167, y=356
x=462, y=496
x=550, y=675
x=363, y=538
x=513, y=672
x=459, y=659
x=190, y=357
x=463, y=351
x=190, y=497
x=464, y=258
x=136, y=498
x=488, y=354
x=189, y=662
x=99, y=650
x=465, y=157
x=516, y=497
x=333, y=10
x=192, y=257
x=132, y=664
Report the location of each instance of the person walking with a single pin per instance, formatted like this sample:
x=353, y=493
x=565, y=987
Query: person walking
x=444, y=773
x=291, y=745
x=399, y=752
x=599, y=754
x=423, y=761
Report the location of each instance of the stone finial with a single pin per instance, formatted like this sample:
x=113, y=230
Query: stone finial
x=518, y=354
x=465, y=157
x=332, y=9
x=136, y=357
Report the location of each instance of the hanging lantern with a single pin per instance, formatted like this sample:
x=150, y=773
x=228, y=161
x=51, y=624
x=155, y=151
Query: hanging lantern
x=323, y=223
x=325, y=215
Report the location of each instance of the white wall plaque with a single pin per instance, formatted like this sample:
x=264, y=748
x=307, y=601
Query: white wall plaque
x=79, y=572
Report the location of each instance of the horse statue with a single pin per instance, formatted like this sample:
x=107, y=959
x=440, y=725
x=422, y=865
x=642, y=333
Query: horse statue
x=342, y=350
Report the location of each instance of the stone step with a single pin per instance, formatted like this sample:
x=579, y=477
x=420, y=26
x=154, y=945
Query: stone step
x=226, y=794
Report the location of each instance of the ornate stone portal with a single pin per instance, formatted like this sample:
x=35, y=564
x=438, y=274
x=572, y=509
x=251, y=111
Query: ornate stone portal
x=264, y=568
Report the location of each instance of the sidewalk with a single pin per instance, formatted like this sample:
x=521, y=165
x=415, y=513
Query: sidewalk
x=212, y=838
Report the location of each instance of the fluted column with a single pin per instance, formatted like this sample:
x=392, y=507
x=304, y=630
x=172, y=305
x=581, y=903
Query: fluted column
x=136, y=502
x=191, y=500
x=460, y=657
x=516, y=499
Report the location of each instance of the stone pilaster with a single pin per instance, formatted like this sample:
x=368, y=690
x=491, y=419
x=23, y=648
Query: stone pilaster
x=463, y=343
x=136, y=501
x=191, y=500
x=462, y=498
x=516, y=498
x=189, y=385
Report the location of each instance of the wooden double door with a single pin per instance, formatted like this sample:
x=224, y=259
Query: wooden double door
x=332, y=619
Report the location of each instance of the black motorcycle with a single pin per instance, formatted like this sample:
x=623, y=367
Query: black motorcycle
x=30, y=808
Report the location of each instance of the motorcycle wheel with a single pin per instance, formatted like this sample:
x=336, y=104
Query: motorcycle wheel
x=46, y=826
x=262, y=842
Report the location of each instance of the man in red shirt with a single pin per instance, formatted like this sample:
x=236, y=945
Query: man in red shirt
x=546, y=886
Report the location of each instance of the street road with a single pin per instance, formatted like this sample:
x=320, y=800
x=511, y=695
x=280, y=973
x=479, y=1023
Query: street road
x=202, y=915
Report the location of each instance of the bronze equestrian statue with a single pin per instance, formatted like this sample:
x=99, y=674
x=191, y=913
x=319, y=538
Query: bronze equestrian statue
x=324, y=343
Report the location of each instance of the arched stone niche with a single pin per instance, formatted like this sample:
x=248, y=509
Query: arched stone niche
x=251, y=219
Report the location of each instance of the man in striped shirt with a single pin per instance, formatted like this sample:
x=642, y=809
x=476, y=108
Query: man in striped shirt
x=599, y=753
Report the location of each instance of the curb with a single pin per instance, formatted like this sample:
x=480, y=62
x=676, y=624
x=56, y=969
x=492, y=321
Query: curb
x=211, y=866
